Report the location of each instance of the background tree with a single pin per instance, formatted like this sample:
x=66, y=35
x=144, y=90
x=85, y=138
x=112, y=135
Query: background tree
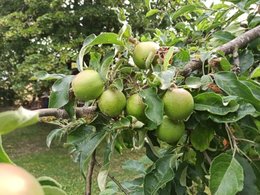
x=212, y=54
x=46, y=36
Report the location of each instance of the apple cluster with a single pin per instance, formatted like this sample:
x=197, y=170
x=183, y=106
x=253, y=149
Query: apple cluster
x=178, y=102
x=88, y=85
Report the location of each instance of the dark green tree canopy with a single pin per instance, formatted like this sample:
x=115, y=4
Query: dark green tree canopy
x=46, y=35
x=192, y=68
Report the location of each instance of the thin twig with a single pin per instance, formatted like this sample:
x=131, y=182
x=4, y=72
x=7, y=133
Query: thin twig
x=90, y=173
x=207, y=157
x=229, y=137
x=118, y=184
x=245, y=140
x=232, y=140
x=234, y=143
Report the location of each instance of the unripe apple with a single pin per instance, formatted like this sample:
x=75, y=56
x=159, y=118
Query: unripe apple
x=142, y=51
x=112, y=102
x=178, y=104
x=87, y=85
x=15, y=180
x=136, y=107
x=170, y=131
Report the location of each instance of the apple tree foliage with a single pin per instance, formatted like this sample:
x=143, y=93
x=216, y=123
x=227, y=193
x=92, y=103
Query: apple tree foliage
x=220, y=150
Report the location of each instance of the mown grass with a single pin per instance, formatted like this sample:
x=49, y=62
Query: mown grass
x=27, y=148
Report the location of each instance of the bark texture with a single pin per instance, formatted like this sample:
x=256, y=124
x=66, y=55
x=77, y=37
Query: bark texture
x=228, y=48
x=61, y=113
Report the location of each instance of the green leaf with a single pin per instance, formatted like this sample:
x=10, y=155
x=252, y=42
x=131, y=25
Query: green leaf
x=107, y=61
x=85, y=49
x=4, y=158
x=249, y=177
x=160, y=173
x=151, y=12
x=254, y=22
x=225, y=65
x=80, y=134
x=121, y=124
x=139, y=138
x=149, y=59
x=51, y=190
x=11, y=120
x=55, y=134
x=165, y=77
x=77, y=138
x=125, y=31
x=60, y=92
x=103, y=173
x=205, y=81
x=226, y=175
x=147, y=4
x=223, y=36
x=134, y=165
x=118, y=84
x=215, y=103
x=200, y=142
x=183, y=177
x=154, y=105
x=102, y=38
x=184, y=9
x=254, y=87
x=94, y=61
x=255, y=73
x=243, y=110
x=151, y=151
x=43, y=75
x=48, y=181
x=168, y=57
x=246, y=60
x=102, y=178
x=70, y=107
x=205, y=55
x=193, y=82
x=121, y=14
x=229, y=83
x=181, y=58
x=88, y=147
x=135, y=186
x=190, y=157
x=256, y=167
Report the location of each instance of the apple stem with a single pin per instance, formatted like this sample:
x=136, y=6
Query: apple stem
x=133, y=40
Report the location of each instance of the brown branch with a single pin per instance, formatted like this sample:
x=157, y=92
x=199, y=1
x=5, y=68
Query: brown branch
x=61, y=113
x=236, y=63
x=194, y=64
x=90, y=173
x=239, y=42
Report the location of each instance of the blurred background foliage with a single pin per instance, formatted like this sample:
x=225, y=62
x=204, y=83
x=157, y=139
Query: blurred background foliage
x=46, y=35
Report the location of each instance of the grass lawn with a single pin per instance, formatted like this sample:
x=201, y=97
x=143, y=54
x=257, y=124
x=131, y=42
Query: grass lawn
x=27, y=148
